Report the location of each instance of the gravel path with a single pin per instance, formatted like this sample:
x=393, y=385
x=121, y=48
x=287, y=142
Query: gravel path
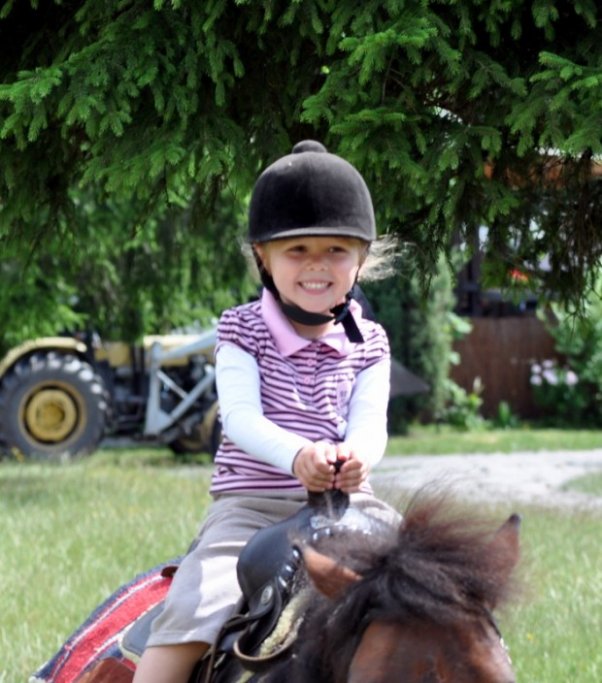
x=529, y=477
x=535, y=477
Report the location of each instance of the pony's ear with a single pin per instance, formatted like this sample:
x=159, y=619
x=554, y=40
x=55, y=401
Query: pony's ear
x=329, y=577
x=506, y=545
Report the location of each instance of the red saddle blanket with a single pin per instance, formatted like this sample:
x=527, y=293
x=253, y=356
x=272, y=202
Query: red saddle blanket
x=98, y=638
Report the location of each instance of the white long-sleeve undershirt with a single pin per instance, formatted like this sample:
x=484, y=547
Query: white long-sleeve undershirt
x=243, y=421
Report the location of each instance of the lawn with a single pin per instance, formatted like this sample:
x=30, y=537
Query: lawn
x=439, y=440
x=74, y=532
x=554, y=631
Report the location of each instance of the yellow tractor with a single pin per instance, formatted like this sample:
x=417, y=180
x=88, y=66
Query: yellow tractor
x=62, y=395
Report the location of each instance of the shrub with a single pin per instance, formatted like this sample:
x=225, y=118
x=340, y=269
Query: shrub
x=557, y=389
x=462, y=408
x=422, y=327
x=572, y=392
x=505, y=418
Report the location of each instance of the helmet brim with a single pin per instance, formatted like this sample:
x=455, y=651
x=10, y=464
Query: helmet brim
x=314, y=231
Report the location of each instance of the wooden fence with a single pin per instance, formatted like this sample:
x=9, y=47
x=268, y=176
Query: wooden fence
x=500, y=351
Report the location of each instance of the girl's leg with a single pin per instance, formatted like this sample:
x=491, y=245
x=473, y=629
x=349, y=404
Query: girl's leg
x=169, y=663
x=212, y=564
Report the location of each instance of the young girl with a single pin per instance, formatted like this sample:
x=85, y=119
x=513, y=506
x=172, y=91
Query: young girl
x=303, y=381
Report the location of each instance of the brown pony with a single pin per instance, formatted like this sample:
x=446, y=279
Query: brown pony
x=371, y=603
x=415, y=608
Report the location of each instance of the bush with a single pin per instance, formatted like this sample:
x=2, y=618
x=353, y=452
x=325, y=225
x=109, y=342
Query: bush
x=559, y=392
x=462, y=409
x=422, y=327
x=505, y=418
x=571, y=392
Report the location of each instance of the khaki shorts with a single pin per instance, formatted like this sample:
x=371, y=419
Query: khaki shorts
x=205, y=589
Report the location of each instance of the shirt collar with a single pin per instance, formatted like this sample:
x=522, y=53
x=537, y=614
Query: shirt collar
x=289, y=342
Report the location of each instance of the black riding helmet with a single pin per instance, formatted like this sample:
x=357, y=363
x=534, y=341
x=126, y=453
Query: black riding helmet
x=311, y=192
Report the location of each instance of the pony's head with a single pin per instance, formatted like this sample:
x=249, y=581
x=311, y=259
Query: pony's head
x=416, y=607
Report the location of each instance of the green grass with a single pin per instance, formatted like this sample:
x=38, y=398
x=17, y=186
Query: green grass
x=554, y=631
x=72, y=533
x=432, y=440
x=590, y=484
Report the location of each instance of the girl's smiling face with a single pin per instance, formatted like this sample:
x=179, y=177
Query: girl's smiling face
x=314, y=273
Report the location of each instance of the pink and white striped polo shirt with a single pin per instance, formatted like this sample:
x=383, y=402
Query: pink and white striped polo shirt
x=305, y=386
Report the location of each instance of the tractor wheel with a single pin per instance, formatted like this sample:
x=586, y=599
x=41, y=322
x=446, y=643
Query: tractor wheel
x=204, y=438
x=51, y=405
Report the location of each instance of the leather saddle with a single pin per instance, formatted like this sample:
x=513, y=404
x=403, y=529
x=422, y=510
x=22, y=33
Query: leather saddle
x=266, y=569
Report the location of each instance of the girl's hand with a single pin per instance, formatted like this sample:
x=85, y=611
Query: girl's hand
x=352, y=473
x=314, y=466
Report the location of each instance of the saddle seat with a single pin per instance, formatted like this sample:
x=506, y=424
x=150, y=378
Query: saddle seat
x=266, y=571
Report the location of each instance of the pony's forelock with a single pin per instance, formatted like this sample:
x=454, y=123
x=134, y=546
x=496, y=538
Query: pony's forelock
x=441, y=567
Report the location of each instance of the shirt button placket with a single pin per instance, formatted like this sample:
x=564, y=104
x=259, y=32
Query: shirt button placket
x=311, y=365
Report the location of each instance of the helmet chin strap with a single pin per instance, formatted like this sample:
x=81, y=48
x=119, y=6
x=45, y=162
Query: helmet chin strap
x=340, y=313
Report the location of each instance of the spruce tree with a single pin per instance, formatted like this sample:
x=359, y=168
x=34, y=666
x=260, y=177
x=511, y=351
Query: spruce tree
x=156, y=117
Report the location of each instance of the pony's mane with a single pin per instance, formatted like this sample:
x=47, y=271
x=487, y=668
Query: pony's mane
x=440, y=566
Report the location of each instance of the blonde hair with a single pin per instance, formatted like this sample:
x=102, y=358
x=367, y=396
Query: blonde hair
x=379, y=262
x=381, y=259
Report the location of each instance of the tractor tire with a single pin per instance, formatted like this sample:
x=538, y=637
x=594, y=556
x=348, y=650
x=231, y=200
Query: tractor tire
x=204, y=438
x=52, y=405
